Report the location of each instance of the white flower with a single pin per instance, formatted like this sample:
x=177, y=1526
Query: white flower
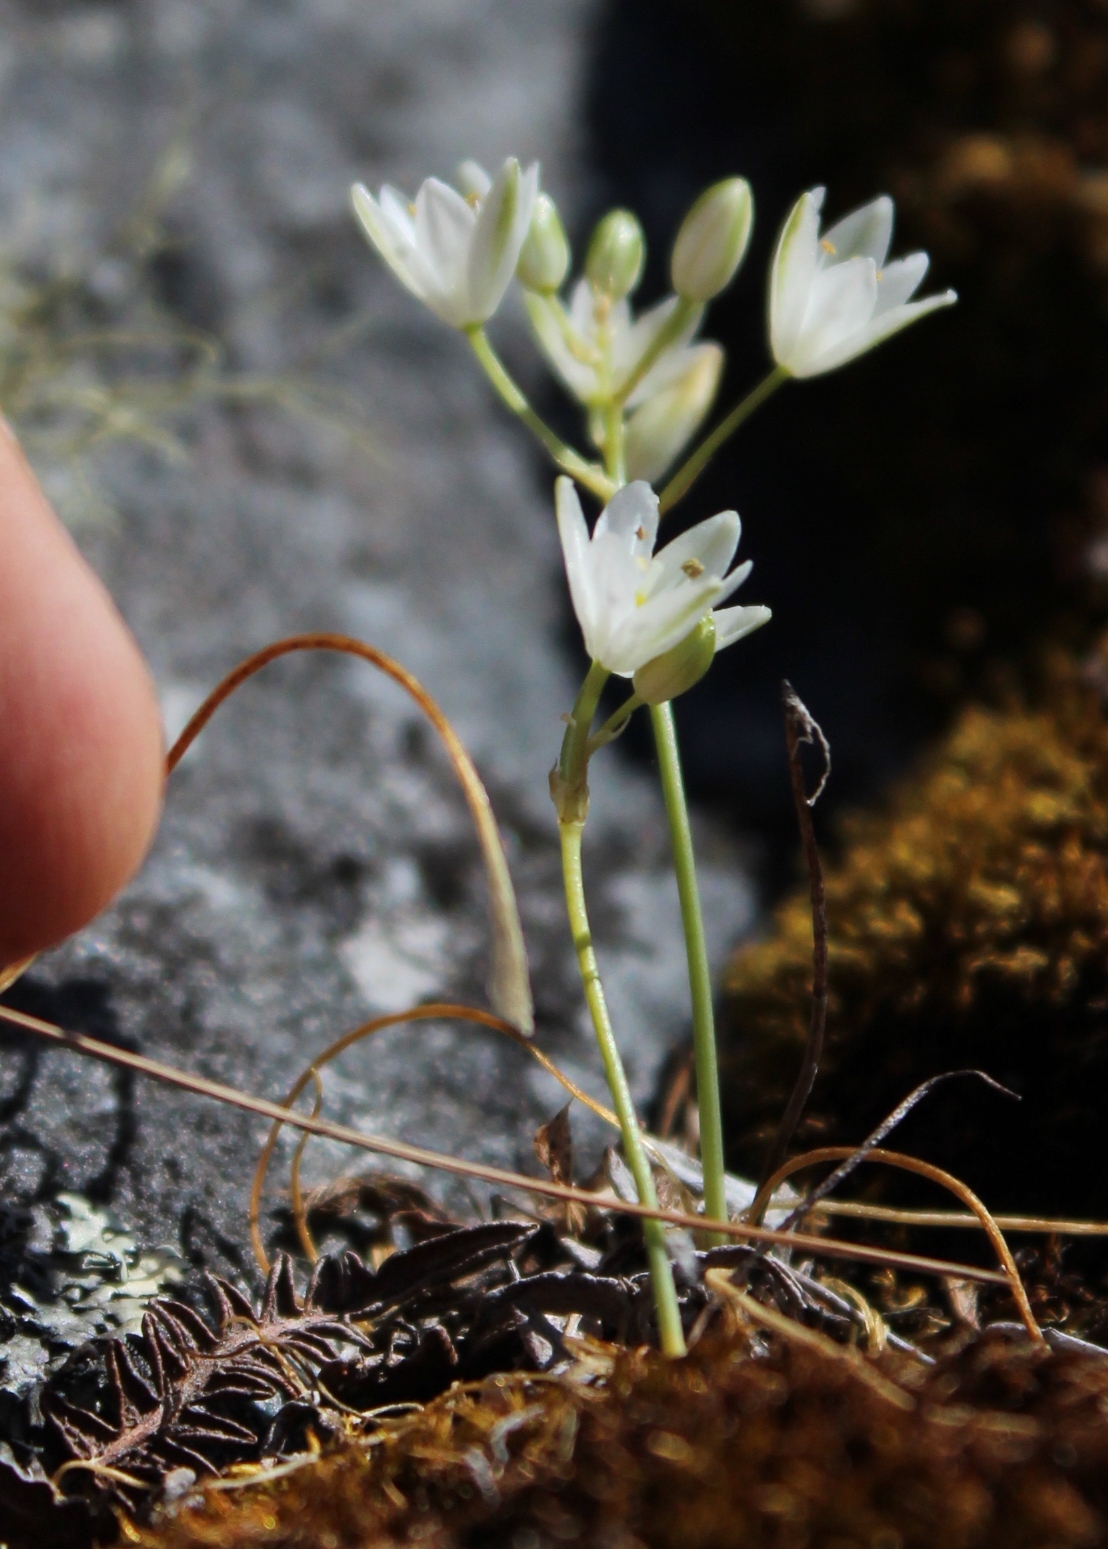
x=833, y=297
x=633, y=604
x=670, y=403
x=573, y=340
x=457, y=254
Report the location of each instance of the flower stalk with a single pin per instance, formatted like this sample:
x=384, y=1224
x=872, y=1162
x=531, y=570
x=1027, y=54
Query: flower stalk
x=670, y=1333
x=512, y=396
x=690, y=470
x=700, y=978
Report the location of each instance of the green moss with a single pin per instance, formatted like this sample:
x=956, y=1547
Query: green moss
x=968, y=926
x=1004, y=1445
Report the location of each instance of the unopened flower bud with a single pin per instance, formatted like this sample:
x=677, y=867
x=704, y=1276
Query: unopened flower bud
x=544, y=260
x=712, y=240
x=617, y=252
x=678, y=668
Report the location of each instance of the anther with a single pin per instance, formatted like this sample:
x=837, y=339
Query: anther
x=693, y=568
x=828, y=247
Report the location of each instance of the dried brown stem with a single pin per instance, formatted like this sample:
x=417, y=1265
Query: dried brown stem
x=201, y=1086
x=800, y=727
x=945, y=1180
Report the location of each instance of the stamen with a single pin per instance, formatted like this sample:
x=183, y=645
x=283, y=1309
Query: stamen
x=693, y=568
x=640, y=533
x=828, y=247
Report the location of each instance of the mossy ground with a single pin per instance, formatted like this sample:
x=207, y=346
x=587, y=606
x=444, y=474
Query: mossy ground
x=968, y=927
x=997, y=1445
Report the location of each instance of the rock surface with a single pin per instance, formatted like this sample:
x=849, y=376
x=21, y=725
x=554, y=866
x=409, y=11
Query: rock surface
x=316, y=864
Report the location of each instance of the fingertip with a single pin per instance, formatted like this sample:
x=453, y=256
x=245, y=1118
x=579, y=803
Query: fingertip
x=81, y=749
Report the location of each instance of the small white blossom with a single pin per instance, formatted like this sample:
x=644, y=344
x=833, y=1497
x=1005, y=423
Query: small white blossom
x=456, y=253
x=632, y=604
x=668, y=407
x=833, y=297
x=577, y=339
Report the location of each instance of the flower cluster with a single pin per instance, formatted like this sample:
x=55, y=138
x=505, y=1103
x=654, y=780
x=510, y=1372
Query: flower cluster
x=646, y=382
x=831, y=298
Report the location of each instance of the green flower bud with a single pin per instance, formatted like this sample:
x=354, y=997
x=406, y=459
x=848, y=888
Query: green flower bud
x=616, y=255
x=678, y=668
x=544, y=258
x=712, y=240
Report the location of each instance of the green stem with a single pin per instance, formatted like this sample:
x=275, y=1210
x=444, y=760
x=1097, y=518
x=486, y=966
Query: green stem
x=614, y=461
x=614, y=724
x=670, y=1333
x=694, y=466
x=700, y=979
x=569, y=461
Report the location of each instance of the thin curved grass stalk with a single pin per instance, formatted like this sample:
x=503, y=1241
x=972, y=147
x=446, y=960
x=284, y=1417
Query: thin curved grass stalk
x=509, y=980
x=945, y=1180
x=296, y=1195
x=422, y=1156
x=9, y=975
x=427, y=1012
x=1047, y=1225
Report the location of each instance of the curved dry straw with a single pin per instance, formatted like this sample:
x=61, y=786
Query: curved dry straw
x=433, y=1011
x=430, y=1011
x=502, y=1177
x=945, y=1180
x=509, y=982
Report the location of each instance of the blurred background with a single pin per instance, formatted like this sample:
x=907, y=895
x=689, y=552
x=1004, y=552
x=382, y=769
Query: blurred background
x=254, y=431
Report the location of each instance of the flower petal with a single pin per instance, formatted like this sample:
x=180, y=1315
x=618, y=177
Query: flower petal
x=794, y=269
x=880, y=329
x=733, y=623
x=842, y=301
x=660, y=623
x=551, y=325
x=444, y=225
x=502, y=222
x=574, y=535
x=864, y=233
x=732, y=582
x=473, y=180
x=629, y=345
x=898, y=281
x=395, y=244
x=632, y=515
x=686, y=382
x=710, y=544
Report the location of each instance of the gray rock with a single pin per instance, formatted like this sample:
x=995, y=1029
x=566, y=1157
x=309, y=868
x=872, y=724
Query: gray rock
x=316, y=864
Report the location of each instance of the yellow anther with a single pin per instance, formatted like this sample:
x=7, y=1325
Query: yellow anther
x=693, y=568
x=640, y=533
x=828, y=247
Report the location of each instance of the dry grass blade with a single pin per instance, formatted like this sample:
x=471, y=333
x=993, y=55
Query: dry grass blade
x=945, y=1180
x=509, y=980
x=421, y=1156
x=1051, y=1226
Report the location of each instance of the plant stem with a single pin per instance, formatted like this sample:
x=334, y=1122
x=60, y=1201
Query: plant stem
x=690, y=470
x=700, y=979
x=614, y=462
x=670, y=1333
x=615, y=724
x=569, y=461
